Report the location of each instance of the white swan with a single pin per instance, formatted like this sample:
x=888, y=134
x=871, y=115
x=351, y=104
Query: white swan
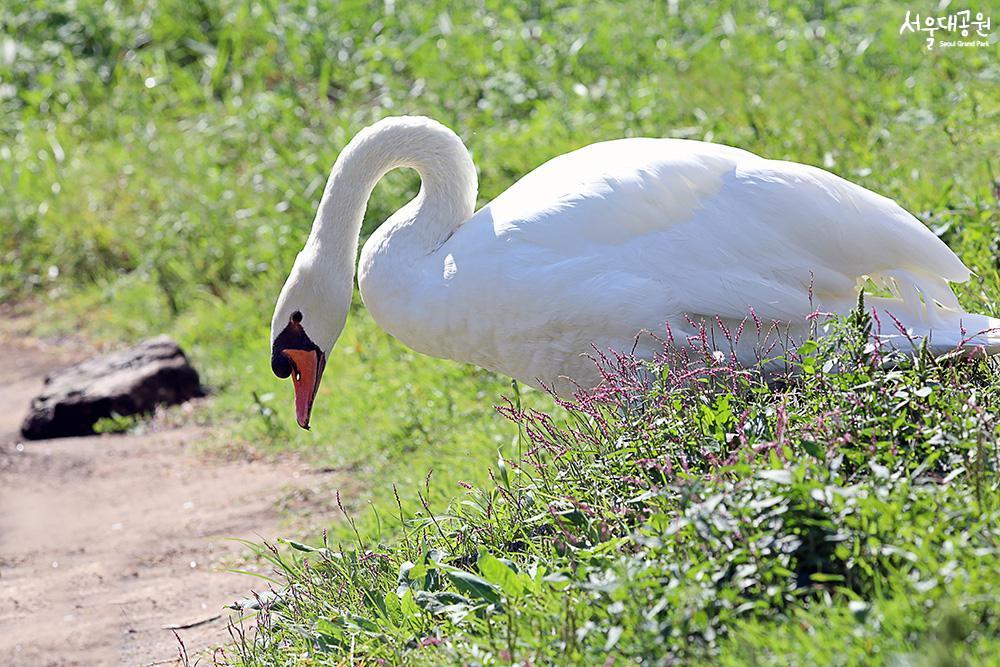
x=594, y=246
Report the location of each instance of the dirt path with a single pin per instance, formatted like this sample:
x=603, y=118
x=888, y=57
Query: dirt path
x=106, y=539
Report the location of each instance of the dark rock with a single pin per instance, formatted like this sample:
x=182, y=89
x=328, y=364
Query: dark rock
x=130, y=382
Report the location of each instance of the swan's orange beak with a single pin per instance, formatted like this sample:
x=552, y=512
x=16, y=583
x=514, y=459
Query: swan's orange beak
x=307, y=371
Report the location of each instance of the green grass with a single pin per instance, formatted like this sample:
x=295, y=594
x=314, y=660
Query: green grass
x=160, y=164
x=845, y=513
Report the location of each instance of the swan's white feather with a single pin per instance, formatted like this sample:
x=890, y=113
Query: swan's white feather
x=630, y=235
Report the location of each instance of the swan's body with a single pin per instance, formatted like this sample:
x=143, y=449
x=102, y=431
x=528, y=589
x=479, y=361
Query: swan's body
x=599, y=244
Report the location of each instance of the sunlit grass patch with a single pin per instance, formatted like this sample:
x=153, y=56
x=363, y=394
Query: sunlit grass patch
x=690, y=520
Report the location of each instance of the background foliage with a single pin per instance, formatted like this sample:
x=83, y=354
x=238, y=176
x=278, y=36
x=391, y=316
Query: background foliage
x=160, y=163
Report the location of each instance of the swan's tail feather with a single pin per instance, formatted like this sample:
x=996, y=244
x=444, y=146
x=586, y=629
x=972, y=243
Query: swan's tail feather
x=962, y=330
x=924, y=308
x=989, y=336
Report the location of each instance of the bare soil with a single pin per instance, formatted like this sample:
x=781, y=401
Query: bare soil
x=106, y=540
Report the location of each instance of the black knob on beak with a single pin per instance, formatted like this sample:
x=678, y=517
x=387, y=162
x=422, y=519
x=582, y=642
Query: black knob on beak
x=280, y=364
x=292, y=337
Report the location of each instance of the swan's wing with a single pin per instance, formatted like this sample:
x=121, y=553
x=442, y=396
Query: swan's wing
x=599, y=244
x=719, y=230
x=781, y=229
x=607, y=194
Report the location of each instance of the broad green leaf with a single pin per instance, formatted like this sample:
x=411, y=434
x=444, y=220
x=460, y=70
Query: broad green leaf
x=500, y=574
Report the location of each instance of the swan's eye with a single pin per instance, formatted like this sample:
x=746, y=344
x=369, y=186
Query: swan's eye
x=297, y=316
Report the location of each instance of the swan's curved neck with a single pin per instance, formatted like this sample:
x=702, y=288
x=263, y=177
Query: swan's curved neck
x=447, y=194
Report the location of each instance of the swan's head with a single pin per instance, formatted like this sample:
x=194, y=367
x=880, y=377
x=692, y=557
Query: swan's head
x=308, y=318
